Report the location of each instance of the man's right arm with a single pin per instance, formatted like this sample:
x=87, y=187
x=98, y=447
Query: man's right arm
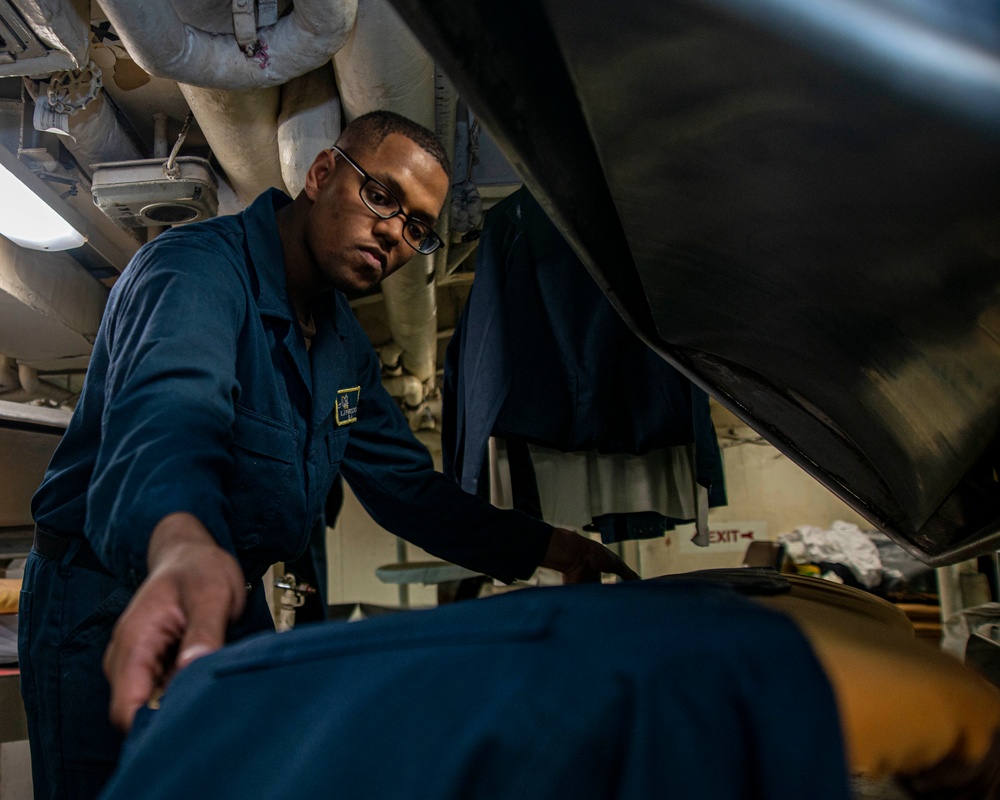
x=156, y=506
x=171, y=336
x=193, y=590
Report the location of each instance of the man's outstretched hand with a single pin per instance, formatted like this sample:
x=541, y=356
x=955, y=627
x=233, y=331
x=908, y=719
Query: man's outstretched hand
x=180, y=612
x=582, y=560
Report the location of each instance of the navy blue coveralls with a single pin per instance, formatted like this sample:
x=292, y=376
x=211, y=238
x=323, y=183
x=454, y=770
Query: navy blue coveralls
x=202, y=397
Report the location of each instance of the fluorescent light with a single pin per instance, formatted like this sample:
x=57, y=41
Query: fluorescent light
x=25, y=217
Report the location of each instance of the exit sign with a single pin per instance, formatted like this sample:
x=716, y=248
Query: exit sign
x=722, y=536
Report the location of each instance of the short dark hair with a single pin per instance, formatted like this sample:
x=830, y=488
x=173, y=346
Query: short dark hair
x=368, y=131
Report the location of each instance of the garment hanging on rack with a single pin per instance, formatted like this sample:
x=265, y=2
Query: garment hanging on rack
x=540, y=356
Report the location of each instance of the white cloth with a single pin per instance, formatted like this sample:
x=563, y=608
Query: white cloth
x=844, y=543
x=573, y=488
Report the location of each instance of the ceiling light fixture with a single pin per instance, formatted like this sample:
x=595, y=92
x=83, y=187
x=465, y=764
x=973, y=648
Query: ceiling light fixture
x=28, y=209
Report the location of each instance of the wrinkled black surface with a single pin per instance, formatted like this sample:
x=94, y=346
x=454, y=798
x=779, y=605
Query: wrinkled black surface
x=795, y=203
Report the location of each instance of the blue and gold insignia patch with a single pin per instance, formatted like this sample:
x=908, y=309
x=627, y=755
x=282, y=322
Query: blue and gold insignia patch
x=347, y=405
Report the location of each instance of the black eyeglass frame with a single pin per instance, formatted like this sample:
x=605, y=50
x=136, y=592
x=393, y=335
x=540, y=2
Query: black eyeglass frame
x=407, y=219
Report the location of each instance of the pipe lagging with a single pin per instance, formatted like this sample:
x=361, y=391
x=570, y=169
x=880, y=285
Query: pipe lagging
x=164, y=45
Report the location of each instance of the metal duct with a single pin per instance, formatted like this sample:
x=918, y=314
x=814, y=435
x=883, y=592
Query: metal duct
x=164, y=45
x=383, y=66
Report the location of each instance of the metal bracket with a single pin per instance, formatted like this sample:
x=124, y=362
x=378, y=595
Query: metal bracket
x=245, y=25
x=267, y=13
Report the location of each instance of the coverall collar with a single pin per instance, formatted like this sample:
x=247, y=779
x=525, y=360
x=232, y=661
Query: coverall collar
x=267, y=254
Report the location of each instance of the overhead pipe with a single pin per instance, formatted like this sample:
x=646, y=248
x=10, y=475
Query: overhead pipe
x=160, y=149
x=261, y=132
x=166, y=46
x=95, y=135
x=63, y=26
x=39, y=389
x=89, y=127
x=268, y=137
x=242, y=130
x=52, y=307
x=411, y=312
x=407, y=387
x=383, y=66
x=309, y=121
x=9, y=382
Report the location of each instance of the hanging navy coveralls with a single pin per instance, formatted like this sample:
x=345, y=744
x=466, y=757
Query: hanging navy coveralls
x=202, y=397
x=541, y=356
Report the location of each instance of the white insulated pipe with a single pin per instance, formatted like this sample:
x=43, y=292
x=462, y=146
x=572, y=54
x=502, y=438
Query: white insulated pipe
x=241, y=128
x=268, y=137
x=63, y=26
x=407, y=387
x=38, y=388
x=95, y=135
x=164, y=45
x=383, y=66
x=309, y=122
x=9, y=381
x=411, y=311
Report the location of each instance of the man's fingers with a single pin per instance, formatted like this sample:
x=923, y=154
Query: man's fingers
x=179, y=613
x=209, y=608
x=598, y=560
x=135, y=662
x=582, y=575
x=134, y=684
x=208, y=611
x=613, y=564
x=582, y=560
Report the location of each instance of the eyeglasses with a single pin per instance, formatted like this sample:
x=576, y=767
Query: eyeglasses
x=383, y=203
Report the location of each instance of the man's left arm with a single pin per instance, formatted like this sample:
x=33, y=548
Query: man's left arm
x=393, y=476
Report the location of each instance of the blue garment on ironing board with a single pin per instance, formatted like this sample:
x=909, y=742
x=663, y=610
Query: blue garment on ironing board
x=674, y=689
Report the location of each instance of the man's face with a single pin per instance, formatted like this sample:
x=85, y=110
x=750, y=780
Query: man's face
x=352, y=248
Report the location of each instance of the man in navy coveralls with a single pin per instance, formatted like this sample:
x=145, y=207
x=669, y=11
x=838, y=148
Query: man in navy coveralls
x=229, y=384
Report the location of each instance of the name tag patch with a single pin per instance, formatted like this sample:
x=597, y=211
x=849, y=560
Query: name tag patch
x=347, y=405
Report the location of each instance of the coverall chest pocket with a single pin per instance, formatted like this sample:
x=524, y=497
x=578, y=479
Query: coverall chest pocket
x=257, y=435
x=267, y=500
